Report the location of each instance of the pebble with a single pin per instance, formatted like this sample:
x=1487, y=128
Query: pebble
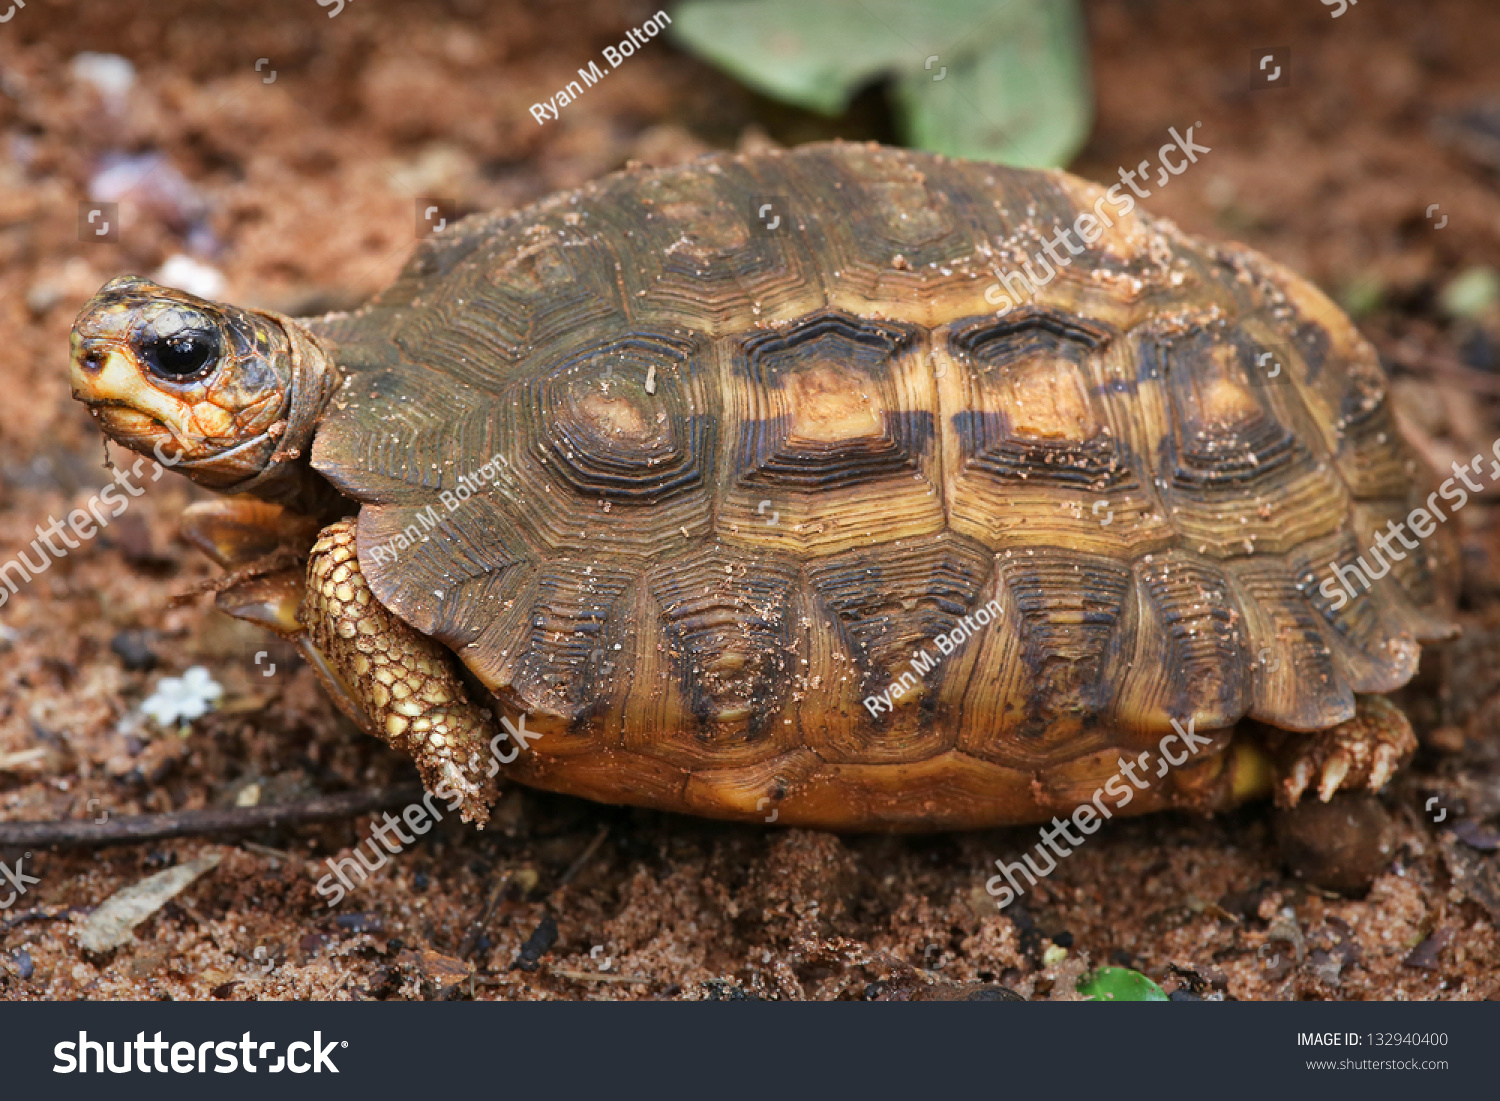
x=193, y=276
x=112, y=75
x=1446, y=739
x=152, y=182
x=1341, y=845
x=133, y=648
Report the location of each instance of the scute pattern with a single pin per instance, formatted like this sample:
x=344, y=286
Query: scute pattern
x=637, y=434
x=713, y=669
x=754, y=475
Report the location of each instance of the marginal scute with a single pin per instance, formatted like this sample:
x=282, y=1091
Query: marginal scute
x=553, y=650
x=1297, y=683
x=1043, y=681
x=758, y=438
x=1349, y=586
x=715, y=658
x=1423, y=573
x=447, y=573
x=1190, y=657
x=880, y=612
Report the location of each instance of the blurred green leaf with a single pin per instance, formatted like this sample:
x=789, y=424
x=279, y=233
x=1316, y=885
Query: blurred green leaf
x=1471, y=294
x=1000, y=81
x=1362, y=295
x=1120, y=984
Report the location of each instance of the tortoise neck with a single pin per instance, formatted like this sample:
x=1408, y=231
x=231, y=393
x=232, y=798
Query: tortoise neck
x=288, y=478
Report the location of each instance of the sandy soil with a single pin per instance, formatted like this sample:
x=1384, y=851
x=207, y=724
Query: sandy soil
x=301, y=191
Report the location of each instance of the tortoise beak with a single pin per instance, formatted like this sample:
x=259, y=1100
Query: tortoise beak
x=100, y=341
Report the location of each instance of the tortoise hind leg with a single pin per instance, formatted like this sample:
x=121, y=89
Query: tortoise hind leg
x=1361, y=753
x=404, y=684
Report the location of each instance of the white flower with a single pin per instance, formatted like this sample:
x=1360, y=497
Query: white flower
x=184, y=698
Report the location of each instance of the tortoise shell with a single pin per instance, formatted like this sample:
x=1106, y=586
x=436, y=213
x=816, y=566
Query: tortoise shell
x=733, y=479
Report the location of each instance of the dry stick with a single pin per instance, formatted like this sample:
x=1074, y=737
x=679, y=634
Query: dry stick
x=1439, y=363
x=583, y=858
x=41, y=915
x=477, y=927
x=195, y=823
x=594, y=976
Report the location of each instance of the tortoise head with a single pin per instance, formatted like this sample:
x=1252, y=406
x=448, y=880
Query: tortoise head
x=229, y=396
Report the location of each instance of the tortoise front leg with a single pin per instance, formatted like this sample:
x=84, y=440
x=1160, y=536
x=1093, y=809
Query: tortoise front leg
x=239, y=532
x=403, y=683
x=390, y=680
x=261, y=546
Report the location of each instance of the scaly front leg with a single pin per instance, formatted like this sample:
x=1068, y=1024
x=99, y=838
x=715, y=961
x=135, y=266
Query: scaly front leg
x=403, y=682
x=392, y=681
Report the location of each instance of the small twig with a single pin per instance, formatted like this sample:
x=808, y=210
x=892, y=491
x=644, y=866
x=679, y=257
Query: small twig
x=478, y=925
x=23, y=757
x=41, y=915
x=278, y=559
x=594, y=976
x=266, y=850
x=583, y=858
x=86, y=833
x=1430, y=362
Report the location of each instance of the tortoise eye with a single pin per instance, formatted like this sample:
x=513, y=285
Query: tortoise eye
x=184, y=353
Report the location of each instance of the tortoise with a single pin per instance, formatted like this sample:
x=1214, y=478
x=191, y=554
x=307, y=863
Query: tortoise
x=820, y=487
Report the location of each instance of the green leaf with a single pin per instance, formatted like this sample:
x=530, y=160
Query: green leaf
x=1471, y=294
x=1024, y=101
x=973, y=78
x=1120, y=984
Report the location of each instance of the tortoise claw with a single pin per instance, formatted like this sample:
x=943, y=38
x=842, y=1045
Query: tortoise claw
x=1387, y=757
x=1334, y=771
x=1296, y=783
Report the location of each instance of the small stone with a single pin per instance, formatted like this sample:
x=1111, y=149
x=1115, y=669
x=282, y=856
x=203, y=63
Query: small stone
x=42, y=296
x=1446, y=739
x=110, y=74
x=1424, y=957
x=133, y=648
x=1341, y=845
x=193, y=276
